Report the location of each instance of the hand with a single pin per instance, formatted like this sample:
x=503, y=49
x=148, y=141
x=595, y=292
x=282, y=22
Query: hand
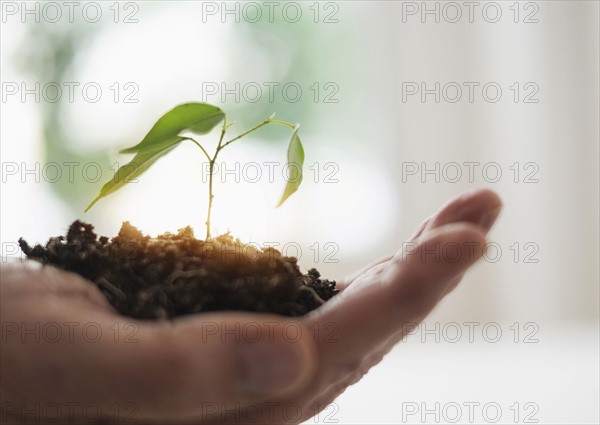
x=66, y=353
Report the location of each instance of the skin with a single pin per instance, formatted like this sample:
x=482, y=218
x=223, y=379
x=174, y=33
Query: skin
x=231, y=367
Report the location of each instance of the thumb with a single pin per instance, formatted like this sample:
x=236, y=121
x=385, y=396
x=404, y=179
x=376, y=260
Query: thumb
x=194, y=366
x=268, y=355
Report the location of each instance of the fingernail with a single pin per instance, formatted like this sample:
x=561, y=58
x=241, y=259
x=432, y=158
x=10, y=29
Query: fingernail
x=489, y=217
x=271, y=368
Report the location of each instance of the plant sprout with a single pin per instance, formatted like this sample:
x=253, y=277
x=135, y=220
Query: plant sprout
x=199, y=119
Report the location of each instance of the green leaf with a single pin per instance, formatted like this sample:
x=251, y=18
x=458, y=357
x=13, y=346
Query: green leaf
x=199, y=118
x=140, y=163
x=295, y=161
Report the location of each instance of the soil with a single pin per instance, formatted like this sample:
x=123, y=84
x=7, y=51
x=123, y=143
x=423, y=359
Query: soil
x=176, y=274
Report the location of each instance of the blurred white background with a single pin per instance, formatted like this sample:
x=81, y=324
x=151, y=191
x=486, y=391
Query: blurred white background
x=372, y=133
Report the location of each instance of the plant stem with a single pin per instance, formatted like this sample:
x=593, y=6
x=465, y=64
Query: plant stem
x=287, y=124
x=200, y=146
x=256, y=127
x=211, y=167
x=210, y=197
x=220, y=146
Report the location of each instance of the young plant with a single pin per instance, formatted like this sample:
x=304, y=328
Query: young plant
x=199, y=119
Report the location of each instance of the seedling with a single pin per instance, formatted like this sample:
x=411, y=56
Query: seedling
x=173, y=275
x=199, y=119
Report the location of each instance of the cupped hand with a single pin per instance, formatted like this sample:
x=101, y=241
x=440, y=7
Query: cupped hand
x=68, y=357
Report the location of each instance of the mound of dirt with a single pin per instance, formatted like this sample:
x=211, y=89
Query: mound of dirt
x=176, y=274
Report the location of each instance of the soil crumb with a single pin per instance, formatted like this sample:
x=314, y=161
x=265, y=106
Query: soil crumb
x=176, y=274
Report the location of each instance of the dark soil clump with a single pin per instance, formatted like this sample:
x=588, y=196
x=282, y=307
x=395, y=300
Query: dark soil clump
x=176, y=274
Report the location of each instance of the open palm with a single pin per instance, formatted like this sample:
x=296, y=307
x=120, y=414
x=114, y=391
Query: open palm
x=64, y=347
